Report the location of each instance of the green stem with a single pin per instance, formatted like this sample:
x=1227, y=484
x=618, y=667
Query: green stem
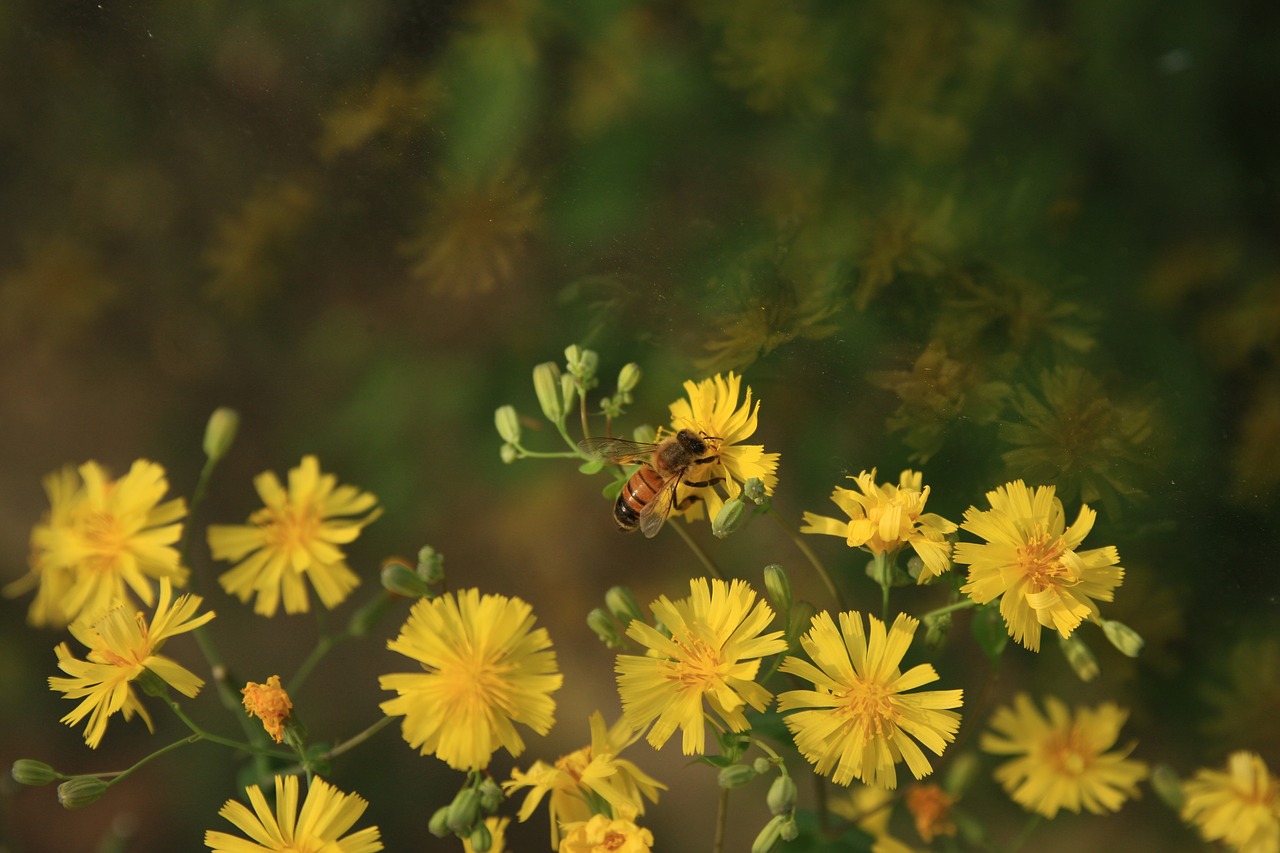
x=322, y=648
x=120, y=774
x=218, y=739
x=356, y=740
x=722, y=821
x=197, y=498
x=883, y=573
x=544, y=454
x=697, y=550
x=1032, y=823
x=950, y=608
x=811, y=557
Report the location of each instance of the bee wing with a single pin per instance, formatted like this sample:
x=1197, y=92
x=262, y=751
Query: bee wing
x=619, y=450
x=655, y=512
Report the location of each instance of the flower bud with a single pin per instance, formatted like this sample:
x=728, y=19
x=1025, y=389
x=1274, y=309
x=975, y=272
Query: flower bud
x=402, y=580
x=568, y=391
x=762, y=765
x=753, y=490
x=730, y=517
x=546, y=384
x=606, y=629
x=778, y=587
x=936, y=628
x=1168, y=787
x=628, y=377
x=430, y=564
x=782, y=795
x=220, y=432
x=81, y=791
x=491, y=795
x=481, y=839
x=623, y=605
x=508, y=454
x=582, y=363
x=1080, y=657
x=28, y=771
x=439, y=824
x=508, y=424
x=464, y=811
x=1124, y=638
x=964, y=769
x=735, y=776
x=770, y=838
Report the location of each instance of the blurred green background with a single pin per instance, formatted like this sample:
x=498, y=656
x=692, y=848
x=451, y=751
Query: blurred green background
x=990, y=239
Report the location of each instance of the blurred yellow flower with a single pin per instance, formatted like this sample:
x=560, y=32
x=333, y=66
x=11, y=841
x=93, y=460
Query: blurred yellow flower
x=121, y=648
x=249, y=256
x=486, y=669
x=1030, y=562
x=883, y=518
x=390, y=106
x=326, y=815
x=603, y=834
x=270, y=703
x=712, y=411
x=859, y=721
x=779, y=57
x=1062, y=759
x=101, y=539
x=1239, y=806
x=592, y=772
x=295, y=536
x=712, y=654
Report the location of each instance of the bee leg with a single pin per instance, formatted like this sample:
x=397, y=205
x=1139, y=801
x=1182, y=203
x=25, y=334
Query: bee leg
x=704, y=483
x=687, y=502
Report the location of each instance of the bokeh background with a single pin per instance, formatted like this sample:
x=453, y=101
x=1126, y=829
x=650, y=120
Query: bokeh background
x=991, y=239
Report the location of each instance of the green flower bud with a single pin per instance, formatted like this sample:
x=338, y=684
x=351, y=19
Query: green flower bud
x=730, y=517
x=369, y=614
x=735, y=776
x=430, y=564
x=508, y=424
x=481, y=839
x=28, y=771
x=491, y=795
x=582, y=363
x=439, y=824
x=782, y=795
x=606, y=629
x=1168, y=787
x=770, y=838
x=568, y=391
x=508, y=453
x=1124, y=638
x=623, y=605
x=464, y=812
x=778, y=587
x=964, y=769
x=753, y=490
x=1080, y=657
x=81, y=791
x=936, y=628
x=628, y=378
x=762, y=765
x=546, y=384
x=788, y=829
x=400, y=579
x=220, y=432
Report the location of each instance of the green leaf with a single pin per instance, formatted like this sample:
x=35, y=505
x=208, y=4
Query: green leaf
x=592, y=466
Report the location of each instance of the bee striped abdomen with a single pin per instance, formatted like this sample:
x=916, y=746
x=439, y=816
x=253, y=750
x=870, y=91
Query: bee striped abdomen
x=635, y=495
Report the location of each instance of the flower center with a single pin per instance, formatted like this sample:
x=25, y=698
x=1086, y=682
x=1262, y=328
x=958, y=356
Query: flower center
x=474, y=683
x=699, y=667
x=1040, y=559
x=574, y=763
x=871, y=703
x=1066, y=754
x=289, y=528
x=105, y=538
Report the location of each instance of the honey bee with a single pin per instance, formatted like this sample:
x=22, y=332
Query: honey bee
x=649, y=496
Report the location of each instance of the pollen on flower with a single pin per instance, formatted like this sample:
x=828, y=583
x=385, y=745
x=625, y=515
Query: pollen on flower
x=270, y=703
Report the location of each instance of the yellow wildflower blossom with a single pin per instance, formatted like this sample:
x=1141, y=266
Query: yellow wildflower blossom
x=859, y=721
x=1030, y=562
x=1062, y=759
x=712, y=654
x=120, y=650
x=326, y=815
x=1239, y=806
x=603, y=834
x=295, y=536
x=884, y=518
x=486, y=669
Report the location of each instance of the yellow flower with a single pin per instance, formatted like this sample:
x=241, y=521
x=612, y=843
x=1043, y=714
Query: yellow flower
x=497, y=835
x=326, y=814
x=295, y=535
x=120, y=650
x=712, y=410
x=860, y=721
x=1239, y=806
x=487, y=668
x=602, y=834
x=713, y=653
x=1029, y=561
x=592, y=773
x=101, y=539
x=270, y=703
x=1063, y=760
x=884, y=518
